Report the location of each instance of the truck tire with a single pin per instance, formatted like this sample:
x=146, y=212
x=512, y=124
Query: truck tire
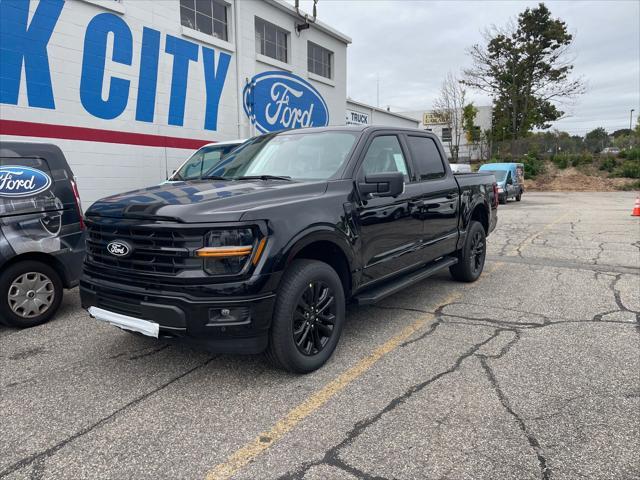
x=308, y=317
x=30, y=294
x=472, y=255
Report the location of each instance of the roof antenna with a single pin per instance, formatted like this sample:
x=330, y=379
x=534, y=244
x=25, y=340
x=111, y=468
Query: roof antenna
x=307, y=20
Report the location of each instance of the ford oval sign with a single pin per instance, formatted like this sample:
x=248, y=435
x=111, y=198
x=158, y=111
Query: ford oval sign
x=18, y=181
x=118, y=248
x=276, y=101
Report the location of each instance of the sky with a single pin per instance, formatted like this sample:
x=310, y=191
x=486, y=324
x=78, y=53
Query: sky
x=410, y=46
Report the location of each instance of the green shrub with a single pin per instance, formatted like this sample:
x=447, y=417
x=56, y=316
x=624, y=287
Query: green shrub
x=631, y=154
x=532, y=166
x=628, y=169
x=560, y=160
x=608, y=164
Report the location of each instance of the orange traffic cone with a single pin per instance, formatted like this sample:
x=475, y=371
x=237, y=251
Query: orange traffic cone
x=636, y=208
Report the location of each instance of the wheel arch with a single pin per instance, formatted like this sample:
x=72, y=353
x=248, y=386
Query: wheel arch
x=326, y=246
x=41, y=257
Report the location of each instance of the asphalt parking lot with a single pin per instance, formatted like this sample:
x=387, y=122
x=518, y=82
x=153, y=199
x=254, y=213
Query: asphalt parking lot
x=531, y=372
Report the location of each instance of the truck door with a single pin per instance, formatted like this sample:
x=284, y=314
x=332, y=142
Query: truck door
x=390, y=228
x=438, y=197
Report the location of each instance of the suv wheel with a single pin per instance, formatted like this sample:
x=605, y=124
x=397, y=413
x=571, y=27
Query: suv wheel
x=30, y=294
x=308, y=317
x=519, y=196
x=471, y=257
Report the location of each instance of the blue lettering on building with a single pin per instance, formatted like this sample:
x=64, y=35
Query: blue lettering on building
x=20, y=43
x=183, y=52
x=278, y=100
x=93, y=66
x=148, y=78
x=214, y=81
x=24, y=42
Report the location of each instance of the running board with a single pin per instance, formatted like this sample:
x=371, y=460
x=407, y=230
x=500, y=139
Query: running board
x=375, y=294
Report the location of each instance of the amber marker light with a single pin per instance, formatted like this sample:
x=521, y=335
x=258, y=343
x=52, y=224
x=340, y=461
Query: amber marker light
x=223, y=252
x=259, y=250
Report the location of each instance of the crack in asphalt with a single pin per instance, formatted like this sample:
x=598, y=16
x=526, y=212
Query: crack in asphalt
x=567, y=264
x=545, y=469
x=331, y=456
x=40, y=457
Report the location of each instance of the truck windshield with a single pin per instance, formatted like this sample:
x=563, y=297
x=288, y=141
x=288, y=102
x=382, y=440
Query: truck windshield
x=297, y=156
x=499, y=174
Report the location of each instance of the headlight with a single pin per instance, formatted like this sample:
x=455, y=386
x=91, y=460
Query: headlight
x=227, y=252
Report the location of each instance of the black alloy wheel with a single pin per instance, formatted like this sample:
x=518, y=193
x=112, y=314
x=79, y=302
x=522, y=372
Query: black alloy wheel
x=308, y=317
x=314, y=318
x=472, y=255
x=478, y=252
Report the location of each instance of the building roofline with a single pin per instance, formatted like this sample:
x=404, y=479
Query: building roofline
x=318, y=24
x=382, y=110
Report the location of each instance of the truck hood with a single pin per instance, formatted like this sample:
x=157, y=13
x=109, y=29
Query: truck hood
x=204, y=200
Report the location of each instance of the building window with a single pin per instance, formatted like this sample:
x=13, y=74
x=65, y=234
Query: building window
x=446, y=134
x=206, y=16
x=319, y=60
x=271, y=40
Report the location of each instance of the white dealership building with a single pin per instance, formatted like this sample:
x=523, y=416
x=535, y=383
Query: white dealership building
x=129, y=88
x=468, y=151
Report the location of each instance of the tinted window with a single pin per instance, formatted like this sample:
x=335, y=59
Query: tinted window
x=384, y=155
x=37, y=163
x=426, y=158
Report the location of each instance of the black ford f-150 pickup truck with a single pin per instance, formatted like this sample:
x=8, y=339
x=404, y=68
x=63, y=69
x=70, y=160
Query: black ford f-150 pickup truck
x=266, y=249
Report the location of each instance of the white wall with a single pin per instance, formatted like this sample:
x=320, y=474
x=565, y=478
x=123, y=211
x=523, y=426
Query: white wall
x=378, y=116
x=104, y=168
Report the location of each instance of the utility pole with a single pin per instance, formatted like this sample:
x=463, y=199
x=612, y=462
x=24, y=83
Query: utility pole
x=378, y=91
x=631, y=120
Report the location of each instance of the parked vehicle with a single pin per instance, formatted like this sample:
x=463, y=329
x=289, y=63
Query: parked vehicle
x=41, y=232
x=203, y=160
x=611, y=151
x=265, y=255
x=460, y=167
x=510, y=179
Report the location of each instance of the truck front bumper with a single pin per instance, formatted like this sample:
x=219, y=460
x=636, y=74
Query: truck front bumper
x=222, y=324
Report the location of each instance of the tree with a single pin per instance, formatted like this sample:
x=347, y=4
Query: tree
x=448, y=106
x=596, y=140
x=476, y=138
x=526, y=69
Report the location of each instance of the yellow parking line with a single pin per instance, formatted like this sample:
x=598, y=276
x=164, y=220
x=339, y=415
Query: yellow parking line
x=266, y=439
x=263, y=441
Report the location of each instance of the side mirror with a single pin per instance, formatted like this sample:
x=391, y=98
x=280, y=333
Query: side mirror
x=387, y=184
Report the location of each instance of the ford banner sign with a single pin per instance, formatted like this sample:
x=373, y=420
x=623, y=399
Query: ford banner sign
x=276, y=101
x=17, y=181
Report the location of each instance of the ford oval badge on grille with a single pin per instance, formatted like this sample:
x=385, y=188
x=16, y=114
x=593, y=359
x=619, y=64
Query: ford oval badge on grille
x=119, y=248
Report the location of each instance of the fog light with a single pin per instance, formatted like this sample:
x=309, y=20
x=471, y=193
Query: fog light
x=229, y=316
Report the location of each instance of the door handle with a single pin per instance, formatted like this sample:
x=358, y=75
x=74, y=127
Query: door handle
x=451, y=196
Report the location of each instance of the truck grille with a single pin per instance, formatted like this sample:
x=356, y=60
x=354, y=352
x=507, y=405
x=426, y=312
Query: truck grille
x=157, y=249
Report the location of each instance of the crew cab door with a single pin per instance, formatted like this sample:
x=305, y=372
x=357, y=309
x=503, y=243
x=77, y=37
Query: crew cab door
x=390, y=230
x=437, y=196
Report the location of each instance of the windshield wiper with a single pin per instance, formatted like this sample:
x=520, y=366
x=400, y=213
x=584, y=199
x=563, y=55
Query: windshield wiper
x=264, y=177
x=214, y=177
